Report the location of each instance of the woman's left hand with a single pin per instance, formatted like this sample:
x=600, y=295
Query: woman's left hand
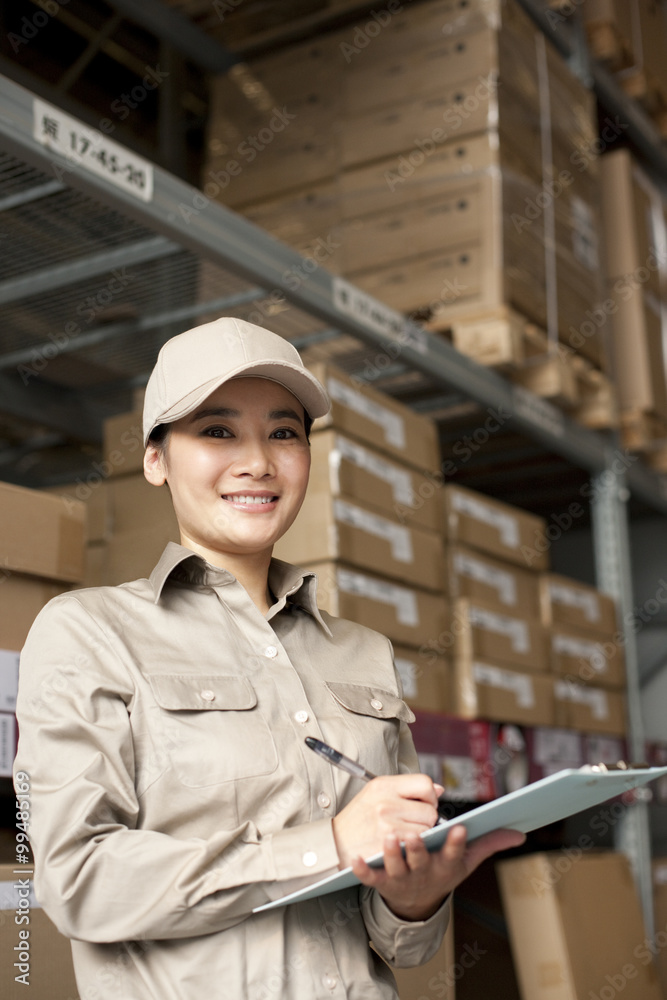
x=415, y=886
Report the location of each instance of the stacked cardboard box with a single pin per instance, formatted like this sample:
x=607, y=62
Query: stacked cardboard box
x=635, y=236
x=586, y=656
x=576, y=927
x=42, y=555
x=629, y=37
x=129, y=521
x=370, y=527
x=494, y=553
x=448, y=166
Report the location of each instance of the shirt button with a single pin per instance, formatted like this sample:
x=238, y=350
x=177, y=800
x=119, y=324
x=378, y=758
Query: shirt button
x=309, y=859
x=329, y=981
x=323, y=800
x=270, y=651
x=301, y=717
x=376, y=704
x=207, y=695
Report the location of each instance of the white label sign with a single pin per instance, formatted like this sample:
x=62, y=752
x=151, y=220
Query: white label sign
x=397, y=536
x=403, y=600
x=89, y=148
x=391, y=423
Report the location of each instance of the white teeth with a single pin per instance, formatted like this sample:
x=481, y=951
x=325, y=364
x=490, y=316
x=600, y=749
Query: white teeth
x=248, y=499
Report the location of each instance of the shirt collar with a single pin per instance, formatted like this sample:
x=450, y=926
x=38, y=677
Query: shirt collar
x=288, y=583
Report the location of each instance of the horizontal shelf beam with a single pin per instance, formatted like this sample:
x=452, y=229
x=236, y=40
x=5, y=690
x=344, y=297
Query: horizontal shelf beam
x=185, y=216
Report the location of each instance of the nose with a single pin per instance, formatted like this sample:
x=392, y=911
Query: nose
x=255, y=460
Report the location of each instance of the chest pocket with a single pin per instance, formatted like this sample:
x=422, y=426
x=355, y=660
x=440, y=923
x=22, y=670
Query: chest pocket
x=373, y=715
x=211, y=728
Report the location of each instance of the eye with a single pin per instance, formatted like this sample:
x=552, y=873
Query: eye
x=216, y=432
x=285, y=433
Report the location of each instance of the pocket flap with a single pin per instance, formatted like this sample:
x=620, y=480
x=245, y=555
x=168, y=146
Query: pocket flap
x=373, y=701
x=199, y=692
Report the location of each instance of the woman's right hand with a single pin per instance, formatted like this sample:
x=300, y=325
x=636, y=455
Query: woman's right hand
x=399, y=805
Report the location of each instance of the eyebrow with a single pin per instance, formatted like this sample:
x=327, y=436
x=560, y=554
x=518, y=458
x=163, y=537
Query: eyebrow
x=223, y=411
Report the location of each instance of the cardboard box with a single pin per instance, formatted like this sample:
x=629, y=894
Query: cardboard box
x=639, y=358
x=495, y=527
x=340, y=528
x=343, y=467
x=94, y=493
x=460, y=754
x=439, y=974
x=8, y=743
x=406, y=615
x=486, y=635
x=564, y=601
x=427, y=681
x=589, y=709
x=576, y=928
x=584, y=657
x=659, y=869
x=132, y=555
x=41, y=534
x=375, y=418
x=123, y=444
x=496, y=583
x=494, y=691
x=49, y=966
x=9, y=679
x=135, y=504
x=21, y=599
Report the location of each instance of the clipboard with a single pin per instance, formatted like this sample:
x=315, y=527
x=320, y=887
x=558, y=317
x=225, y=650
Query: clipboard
x=545, y=801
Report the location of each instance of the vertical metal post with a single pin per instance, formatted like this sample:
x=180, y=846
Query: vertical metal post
x=611, y=540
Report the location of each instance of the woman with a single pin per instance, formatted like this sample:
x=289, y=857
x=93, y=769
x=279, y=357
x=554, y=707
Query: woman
x=162, y=727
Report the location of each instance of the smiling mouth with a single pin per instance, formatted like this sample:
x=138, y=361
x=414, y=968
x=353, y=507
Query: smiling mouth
x=248, y=499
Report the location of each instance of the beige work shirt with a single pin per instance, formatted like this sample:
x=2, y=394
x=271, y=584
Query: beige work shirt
x=162, y=727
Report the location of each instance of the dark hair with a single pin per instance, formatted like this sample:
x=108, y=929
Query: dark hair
x=158, y=436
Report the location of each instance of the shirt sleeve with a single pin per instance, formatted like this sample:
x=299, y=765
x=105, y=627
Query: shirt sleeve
x=403, y=943
x=99, y=876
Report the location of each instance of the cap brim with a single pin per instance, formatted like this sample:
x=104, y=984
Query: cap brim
x=299, y=381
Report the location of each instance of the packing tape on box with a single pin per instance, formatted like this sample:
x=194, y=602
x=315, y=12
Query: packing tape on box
x=407, y=671
x=397, y=536
x=507, y=680
x=400, y=480
x=583, y=649
x=506, y=524
x=595, y=699
x=573, y=597
x=515, y=629
x=403, y=600
x=500, y=580
x=391, y=423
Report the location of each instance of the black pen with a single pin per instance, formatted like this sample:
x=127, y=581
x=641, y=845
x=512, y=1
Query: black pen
x=338, y=759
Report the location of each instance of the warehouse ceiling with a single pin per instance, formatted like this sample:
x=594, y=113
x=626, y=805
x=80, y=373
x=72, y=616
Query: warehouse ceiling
x=87, y=296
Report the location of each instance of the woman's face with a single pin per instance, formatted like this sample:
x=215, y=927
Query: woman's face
x=237, y=467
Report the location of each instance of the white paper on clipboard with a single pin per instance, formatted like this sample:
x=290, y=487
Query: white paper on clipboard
x=545, y=801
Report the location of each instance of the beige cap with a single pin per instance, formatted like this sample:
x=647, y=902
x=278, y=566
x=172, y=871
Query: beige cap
x=193, y=364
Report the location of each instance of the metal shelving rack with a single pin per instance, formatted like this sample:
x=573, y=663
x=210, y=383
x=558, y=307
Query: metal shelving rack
x=168, y=230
